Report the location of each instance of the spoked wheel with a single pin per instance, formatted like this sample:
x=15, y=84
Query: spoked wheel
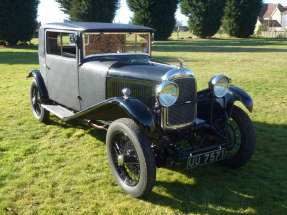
x=241, y=134
x=40, y=113
x=131, y=157
x=126, y=160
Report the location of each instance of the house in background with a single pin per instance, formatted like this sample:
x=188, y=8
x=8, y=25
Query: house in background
x=180, y=28
x=284, y=18
x=272, y=16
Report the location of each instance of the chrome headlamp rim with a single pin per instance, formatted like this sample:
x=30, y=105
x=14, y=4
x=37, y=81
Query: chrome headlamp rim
x=175, y=73
x=214, y=80
x=159, y=89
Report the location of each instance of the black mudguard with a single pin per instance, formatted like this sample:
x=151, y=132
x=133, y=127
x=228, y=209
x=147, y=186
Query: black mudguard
x=237, y=94
x=218, y=110
x=40, y=82
x=119, y=107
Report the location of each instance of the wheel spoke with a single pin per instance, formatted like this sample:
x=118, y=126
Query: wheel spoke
x=130, y=170
x=236, y=136
x=117, y=148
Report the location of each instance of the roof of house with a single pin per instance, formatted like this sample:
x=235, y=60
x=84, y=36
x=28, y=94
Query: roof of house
x=268, y=9
x=97, y=26
x=284, y=10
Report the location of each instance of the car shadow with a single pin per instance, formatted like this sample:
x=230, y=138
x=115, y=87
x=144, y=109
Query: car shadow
x=211, y=193
x=99, y=134
x=220, y=190
x=216, y=189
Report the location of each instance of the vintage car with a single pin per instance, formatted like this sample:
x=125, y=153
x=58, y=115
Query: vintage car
x=103, y=74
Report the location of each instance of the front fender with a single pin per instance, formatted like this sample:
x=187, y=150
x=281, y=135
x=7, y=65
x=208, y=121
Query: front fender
x=40, y=82
x=119, y=107
x=237, y=94
x=217, y=110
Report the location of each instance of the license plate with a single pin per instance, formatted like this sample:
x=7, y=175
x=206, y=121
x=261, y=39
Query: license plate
x=205, y=158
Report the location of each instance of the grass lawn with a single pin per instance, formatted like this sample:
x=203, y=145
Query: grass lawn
x=62, y=168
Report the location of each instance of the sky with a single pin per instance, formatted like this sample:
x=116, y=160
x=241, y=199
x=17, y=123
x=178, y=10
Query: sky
x=49, y=11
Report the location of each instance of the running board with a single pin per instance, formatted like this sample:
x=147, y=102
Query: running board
x=108, y=110
x=59, y=111
x=66, y=114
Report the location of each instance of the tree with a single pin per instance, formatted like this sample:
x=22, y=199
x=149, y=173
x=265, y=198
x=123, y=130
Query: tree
x=18, y=20
x=204, y=16
x=241, y=16
x=157, y=14
x=90, y=10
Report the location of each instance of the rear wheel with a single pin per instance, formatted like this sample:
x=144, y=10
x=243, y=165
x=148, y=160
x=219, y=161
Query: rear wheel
x=40, y=113
x=131, y=157
x=241, y=133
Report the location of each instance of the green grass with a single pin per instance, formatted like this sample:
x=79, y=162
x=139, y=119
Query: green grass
x=62, y=168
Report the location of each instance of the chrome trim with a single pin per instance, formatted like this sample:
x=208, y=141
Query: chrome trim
x=121, y=160
x=213, y=81
x=163, y=64
x=160, y=87
x=126, y=92
x=164, y=119
x=176, y=73
x=199, y=121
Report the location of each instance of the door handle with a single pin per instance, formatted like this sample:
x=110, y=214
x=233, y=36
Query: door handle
x=45, y=65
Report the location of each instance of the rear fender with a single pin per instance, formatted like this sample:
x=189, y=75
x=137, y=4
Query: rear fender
x=40, y=82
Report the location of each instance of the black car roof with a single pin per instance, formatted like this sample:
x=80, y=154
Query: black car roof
x=97, y=26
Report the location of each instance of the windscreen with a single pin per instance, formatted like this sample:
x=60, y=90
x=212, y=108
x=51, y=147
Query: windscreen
x=113, y=43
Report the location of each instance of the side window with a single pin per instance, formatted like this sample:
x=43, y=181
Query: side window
x=60, y=44
x=68, y=47
x=53, y=43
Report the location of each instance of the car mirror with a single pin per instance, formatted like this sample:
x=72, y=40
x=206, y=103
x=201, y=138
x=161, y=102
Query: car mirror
x=73, y=38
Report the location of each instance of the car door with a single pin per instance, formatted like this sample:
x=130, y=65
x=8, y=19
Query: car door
x=62, y=69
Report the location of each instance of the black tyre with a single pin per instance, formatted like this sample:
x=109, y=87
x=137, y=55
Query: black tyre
x=131, y=157
x=40, y=113
x=241, y=132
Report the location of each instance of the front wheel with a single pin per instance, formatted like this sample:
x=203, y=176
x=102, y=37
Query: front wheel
x=39, y=112
x=241, y=133
x=131, y=157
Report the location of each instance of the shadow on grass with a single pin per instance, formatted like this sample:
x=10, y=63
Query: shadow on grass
x=257, y=186
x=193, y=47
x=96, y=133
x=221, y=45
x=18, y=57
x=167, y=60
x=227, y=42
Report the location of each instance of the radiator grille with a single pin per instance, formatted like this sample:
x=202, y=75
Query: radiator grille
x=187, y=89
x=181, y=112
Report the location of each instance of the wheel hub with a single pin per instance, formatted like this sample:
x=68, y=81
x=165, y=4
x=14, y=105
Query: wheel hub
x=34, y=100
x=231, y=135
x=121, y=160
